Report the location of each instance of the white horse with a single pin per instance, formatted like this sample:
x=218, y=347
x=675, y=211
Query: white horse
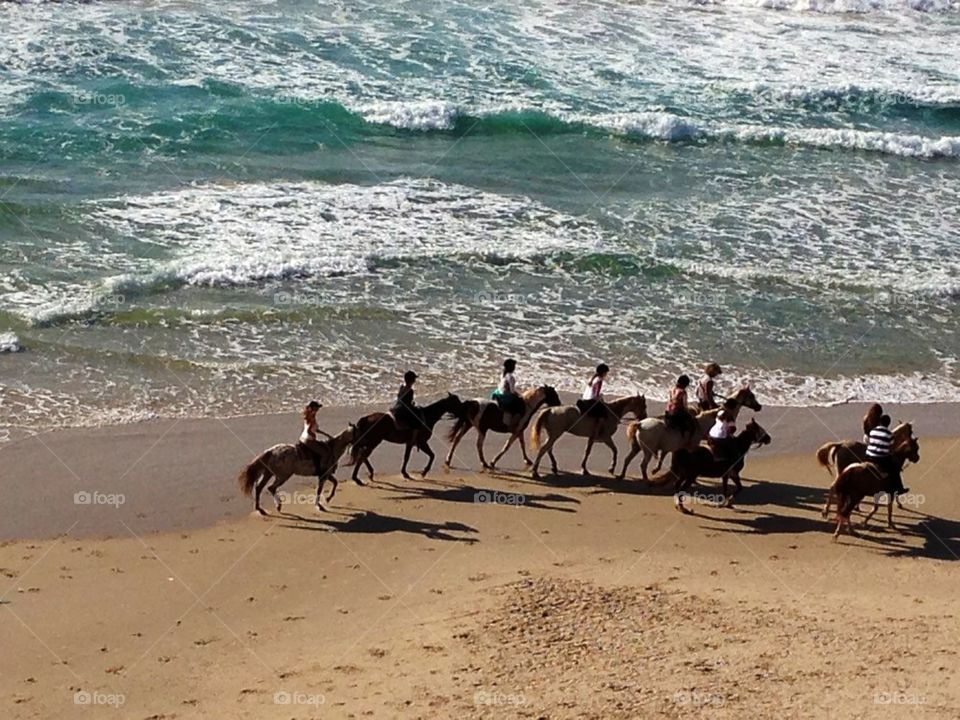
x=283, y=460
x=568, y=419
x=653, y=435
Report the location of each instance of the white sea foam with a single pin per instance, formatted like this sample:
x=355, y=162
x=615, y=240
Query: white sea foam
x=240, y=234
x=423, y=115
x=9, y=343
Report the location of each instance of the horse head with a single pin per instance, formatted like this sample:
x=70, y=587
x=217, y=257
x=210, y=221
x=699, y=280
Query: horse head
x=757, y=434
x=745, y=397
x=638, y=404
x=550, y=396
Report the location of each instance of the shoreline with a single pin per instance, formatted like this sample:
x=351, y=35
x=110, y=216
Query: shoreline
x=177, y=474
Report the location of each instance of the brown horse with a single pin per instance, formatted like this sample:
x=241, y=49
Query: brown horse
x=381, y=427
x=568, y=419
x=861, y=479
x=487, y=416
x=836, y=456
x=282, y=461
x=687, y=465
x=652, y=435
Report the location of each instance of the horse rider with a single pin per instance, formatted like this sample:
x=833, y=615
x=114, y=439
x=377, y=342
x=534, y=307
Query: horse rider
x=591, y=402
x=405, y=412
x=308, y=438
x=506, y=395
x=677, y=415
x=722, y=432
x=880, y=441
x=706, y=388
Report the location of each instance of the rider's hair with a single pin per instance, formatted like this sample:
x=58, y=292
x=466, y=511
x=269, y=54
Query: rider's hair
x=885, y=420
x=310, y=410
x=509, y=365
x=409, y=376
x=683, y=381
x=602, y=369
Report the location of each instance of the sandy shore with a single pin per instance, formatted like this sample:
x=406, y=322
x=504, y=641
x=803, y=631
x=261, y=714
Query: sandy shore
x=573, y=597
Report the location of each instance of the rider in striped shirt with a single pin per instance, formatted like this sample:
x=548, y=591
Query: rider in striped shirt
x=879, y=443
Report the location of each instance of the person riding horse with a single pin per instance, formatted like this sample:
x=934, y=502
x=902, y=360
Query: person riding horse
x=706, y=388
x=506, y=394
x=879, y=443
x=591, y=402
x=308, y=438
x=677, y=415
x=721, y=434
x=405, y=412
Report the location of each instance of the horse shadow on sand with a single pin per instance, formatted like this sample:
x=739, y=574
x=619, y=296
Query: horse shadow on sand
x=939, y=537
x=456, y=493
x=368, y=522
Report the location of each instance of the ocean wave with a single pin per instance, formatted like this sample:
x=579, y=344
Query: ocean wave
x=222, y=236
x=9, y=343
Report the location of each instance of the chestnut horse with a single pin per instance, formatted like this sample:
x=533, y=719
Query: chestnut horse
x=379, y=427
x=487, y=416
x=836, y=456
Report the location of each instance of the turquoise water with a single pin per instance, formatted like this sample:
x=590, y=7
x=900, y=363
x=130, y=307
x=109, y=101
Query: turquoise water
x=219, y=211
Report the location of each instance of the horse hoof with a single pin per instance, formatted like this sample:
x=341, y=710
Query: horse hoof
x=528, y=462
x=406, y=476
x=535, y=475
x=262, y=511
x=423, y=474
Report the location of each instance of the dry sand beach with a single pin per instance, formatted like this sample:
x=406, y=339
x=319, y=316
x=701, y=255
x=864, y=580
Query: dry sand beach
x=568, y=598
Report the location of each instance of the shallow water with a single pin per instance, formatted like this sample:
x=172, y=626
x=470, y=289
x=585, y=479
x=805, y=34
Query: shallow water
x=213, y=212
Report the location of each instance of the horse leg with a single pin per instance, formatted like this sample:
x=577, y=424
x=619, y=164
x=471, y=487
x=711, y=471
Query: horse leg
x=663, y=455
x=406, y=459
x=830, y=499
x=553, y=459
x=481, y=437
x=319, y=499
x=366, y=461
x=890, y=512
x=503, y=450
x=453, y=446
x=586, y=454
x=535, y=470
x=333, y=487
x=634, y=450
x=876, y=505
x=644, y=462
x=274, y=486
x=262, y=483
x=613, y=448
x=426, y=448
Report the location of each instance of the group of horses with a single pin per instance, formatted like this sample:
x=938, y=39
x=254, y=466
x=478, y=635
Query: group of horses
x=546, y=415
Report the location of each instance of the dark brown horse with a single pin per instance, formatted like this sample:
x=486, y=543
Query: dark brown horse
x=487, y=416
x=687, y=465
x=381, y=427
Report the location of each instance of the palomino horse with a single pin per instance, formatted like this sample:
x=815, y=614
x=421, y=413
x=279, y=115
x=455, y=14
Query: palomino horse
x=860, y=479
x=653, y=435
x=381, y=427
x=687, y=465
x=282, y=461
x=487, y=416
x=837, y=456
x=568, y=419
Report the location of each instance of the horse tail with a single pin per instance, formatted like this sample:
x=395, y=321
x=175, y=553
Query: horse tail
x=631, y=433
x=825, y=455
x=463, y=420
x=356, y=447
x=248, y=477
x=537, y=429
